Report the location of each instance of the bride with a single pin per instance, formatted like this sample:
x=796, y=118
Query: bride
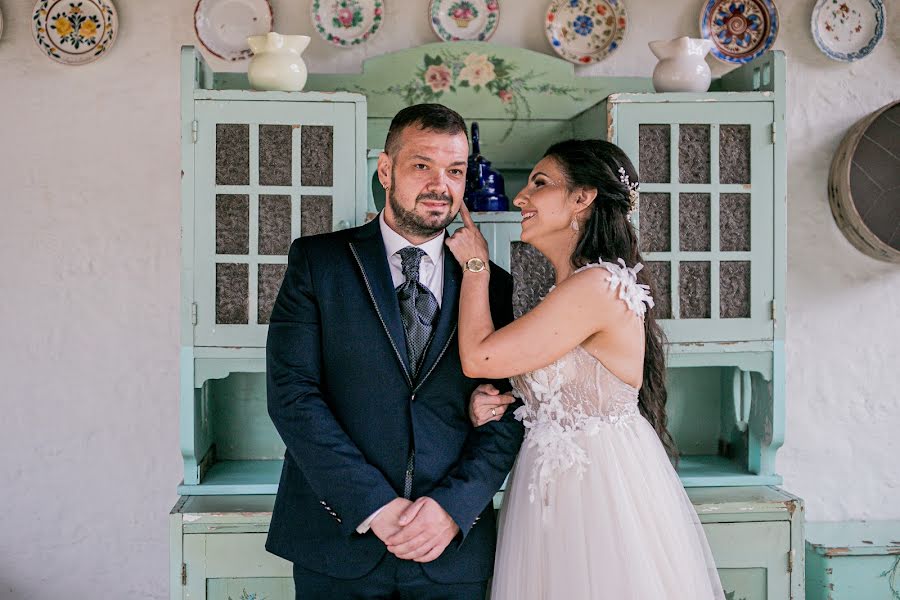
x=594, y=508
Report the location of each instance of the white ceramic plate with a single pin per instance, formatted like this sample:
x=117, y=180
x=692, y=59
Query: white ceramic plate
x=223, y=26
x=847, y=30
x=469, y=20
x=585, y=31
x=347, y=23
x=74, y=32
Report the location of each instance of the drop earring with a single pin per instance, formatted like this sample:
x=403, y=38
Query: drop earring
x=574, y=225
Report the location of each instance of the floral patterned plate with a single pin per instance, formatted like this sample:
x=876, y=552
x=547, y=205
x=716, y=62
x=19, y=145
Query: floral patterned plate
x=740, y=30
x=585, y=31
x=347, y=23
x=455, y=20
x=223, y=26
x=74, y=32
x=848, y=30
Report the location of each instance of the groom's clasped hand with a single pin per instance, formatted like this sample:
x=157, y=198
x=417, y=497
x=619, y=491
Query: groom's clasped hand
x=418, y=531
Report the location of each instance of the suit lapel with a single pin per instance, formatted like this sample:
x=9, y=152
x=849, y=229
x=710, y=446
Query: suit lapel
x=368, y=249
x=447, y=320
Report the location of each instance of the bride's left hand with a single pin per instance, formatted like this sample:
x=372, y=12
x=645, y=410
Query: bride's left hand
x=467, y=241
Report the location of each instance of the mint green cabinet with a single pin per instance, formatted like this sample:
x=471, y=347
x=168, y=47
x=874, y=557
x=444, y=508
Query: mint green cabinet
x=262, y=168
x=217, y=550
x=756, y=537
x=259, y=170
x=850, y=560
x=218, y=545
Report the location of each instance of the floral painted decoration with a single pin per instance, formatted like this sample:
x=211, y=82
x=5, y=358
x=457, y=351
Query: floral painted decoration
x=74, y=33
x=494, y=77
x=741, y=31
x=347, y=23
x=585, y=31
x=469, y=20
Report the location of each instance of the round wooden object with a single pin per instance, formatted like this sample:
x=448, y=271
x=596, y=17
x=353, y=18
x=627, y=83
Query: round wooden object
x=864, y=185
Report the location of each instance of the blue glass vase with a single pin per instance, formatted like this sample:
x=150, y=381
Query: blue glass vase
x=485, y=190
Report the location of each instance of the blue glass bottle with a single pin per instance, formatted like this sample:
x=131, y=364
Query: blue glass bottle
x=485, y=190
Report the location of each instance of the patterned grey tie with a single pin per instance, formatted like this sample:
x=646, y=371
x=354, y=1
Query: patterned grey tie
x=418, y=307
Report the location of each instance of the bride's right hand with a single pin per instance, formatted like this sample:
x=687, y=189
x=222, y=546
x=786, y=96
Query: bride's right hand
x=488, y=404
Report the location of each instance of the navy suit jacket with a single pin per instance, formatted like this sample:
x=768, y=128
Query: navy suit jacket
x=341, y=395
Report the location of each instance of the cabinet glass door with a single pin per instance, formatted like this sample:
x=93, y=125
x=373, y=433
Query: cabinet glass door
x=706, y=214
x=266, y=174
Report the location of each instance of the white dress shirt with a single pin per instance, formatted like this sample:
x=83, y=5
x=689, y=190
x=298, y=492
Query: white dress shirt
x=431, y=269
x=431, y=275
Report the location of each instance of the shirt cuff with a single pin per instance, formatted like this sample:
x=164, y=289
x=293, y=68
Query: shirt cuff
x=367, y=524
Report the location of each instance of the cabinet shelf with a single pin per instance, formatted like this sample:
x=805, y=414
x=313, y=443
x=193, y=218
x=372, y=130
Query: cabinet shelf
x=237, y=477
x=711, y=470
x=254, y=477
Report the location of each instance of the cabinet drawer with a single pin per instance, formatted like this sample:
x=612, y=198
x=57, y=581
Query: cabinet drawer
x=234, y=567
x=752, y=558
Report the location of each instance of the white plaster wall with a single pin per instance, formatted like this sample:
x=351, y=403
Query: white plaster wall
x=89, y=240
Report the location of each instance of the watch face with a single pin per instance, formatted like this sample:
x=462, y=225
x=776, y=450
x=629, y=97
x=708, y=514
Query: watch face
x=475, y=264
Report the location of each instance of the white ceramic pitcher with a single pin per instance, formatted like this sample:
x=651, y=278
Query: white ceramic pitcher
x=277, y=63
x=681, y=66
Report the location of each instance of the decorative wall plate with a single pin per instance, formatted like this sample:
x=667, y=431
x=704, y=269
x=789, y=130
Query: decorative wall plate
x=741, y=30
x=223, y=26
x=470, y=20
x=585, y=31
x=347, y=23
x=74, y=32
x=847, y=30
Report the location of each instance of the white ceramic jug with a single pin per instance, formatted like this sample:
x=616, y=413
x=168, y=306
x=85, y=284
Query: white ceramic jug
x=681, y=66
x=276, y=62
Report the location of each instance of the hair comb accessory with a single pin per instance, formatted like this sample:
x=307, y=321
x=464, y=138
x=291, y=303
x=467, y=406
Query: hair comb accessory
x=632, y=189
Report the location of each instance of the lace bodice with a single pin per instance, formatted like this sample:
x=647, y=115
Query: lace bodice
x=576, y=394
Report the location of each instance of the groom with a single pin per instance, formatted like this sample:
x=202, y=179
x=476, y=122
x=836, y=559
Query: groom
x=366, y=390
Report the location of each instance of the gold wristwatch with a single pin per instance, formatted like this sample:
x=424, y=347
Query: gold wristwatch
x=476, y=265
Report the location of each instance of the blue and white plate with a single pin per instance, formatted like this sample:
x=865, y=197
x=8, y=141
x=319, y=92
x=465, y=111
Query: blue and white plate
x=585, y=31
x=847, y=30
x=741, y=31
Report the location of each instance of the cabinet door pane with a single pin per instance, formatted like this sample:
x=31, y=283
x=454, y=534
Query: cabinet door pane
x=265, y=174
x=711, y=244
x=656, y=222
x=655, y=147
x=275, y=155
x=232, y=154
x=533, y=276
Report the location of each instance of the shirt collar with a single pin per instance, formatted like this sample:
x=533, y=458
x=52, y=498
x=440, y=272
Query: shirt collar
x=394, y=242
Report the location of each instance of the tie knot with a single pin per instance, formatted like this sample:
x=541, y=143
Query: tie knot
x=410, y=258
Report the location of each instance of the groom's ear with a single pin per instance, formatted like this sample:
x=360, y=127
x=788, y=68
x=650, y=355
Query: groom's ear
x=385, y=165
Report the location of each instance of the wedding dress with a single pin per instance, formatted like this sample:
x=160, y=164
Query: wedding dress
x=593, y=508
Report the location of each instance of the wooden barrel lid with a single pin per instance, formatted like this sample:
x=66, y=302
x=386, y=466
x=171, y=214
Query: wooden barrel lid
x=864, y=186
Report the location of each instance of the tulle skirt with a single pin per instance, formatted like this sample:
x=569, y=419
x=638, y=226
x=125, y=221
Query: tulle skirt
x=623, y=529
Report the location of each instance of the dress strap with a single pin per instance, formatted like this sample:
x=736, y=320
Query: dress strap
x=636, y=295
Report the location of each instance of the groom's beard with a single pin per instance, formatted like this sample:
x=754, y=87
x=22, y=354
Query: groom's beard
x=412, y=222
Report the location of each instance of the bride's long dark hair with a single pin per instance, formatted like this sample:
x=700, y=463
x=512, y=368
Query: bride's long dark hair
x=609, y=235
